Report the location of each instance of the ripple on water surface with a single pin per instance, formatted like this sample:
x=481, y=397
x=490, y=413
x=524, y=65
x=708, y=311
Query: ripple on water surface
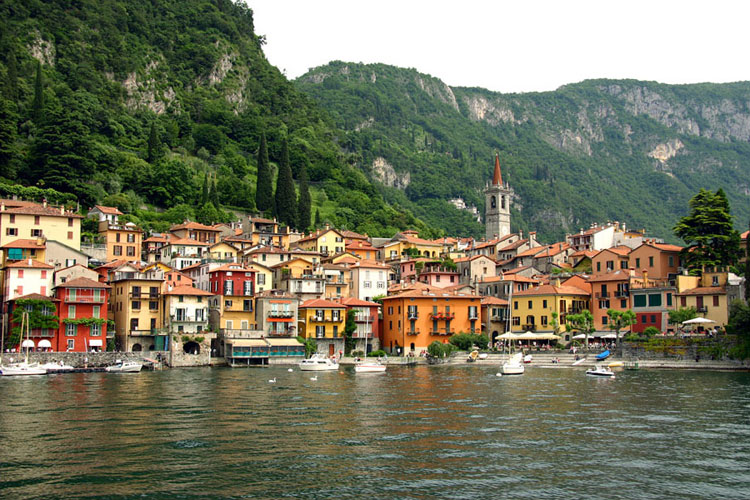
x=412, y=433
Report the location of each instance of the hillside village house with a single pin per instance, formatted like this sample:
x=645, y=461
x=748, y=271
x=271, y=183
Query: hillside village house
x=531, y=310
x=326, y=242
x=23, y=219
x=369, y=279
x=231, y=310
x=436, y=274
x=276, y=313
x=367, y=321
x=413, y=319
x=196, y=231
x=135, y=307
x=265, y=232
x=610, y=259
x=324, y=321
x=185, y=309
x=659, y=260
x=83, y=311
x=105, y=214
x=475, y=269
x=183, y=252
x=123, y=241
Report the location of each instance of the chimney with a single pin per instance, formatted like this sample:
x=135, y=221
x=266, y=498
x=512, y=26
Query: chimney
x=62, y=210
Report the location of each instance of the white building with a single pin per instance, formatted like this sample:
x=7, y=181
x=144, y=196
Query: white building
x=369, y=279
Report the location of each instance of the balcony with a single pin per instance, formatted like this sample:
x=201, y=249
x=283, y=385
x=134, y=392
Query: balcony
x=86, y=299
x=281, y=314
x=289, y=332
x=442, y=331
x=622, y=294
x=443, y=316
x=602, y=295
x=143, y=333
x=414, y=332
x=241, y=333
x=703, y=309
x=529, y=327
x=187, y=319
x=144, y=296
x=362, y=335
x=473, y=316
x=366, y=318
x=413, y=315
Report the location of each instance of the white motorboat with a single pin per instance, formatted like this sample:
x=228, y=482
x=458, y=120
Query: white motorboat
x=125, y=367
x=369, y=367
x=57, y=367
x=527, y=359
x=600, y=371
x=23, y=368
x=514, y=365
x=318, y=363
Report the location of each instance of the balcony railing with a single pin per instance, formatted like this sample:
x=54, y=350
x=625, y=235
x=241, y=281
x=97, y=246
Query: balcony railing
x=703, y=309
x=622, y=294
x=473, y=316
x=324, y=319
x=143, y=333
x=442, y=331
x=529, y=327
x=602, y=295
x=413, y=315
x=414, y=332
x=144, y=296
x=365, y=318
x=187, y=319
x=85, y=299
x=443, y=316
x=290, y=332
x=241, y=333
x=362, y=335
x=281, y=314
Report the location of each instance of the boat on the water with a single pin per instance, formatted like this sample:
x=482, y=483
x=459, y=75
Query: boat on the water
x=616, y=364
x=603, y=355
x=57, y=367
x=632, y=365
x=125, y=367
x=600, y=371
x=318, y=363
x=369, y=367
x=23, y=368
x=527, y=359
x=514, y=365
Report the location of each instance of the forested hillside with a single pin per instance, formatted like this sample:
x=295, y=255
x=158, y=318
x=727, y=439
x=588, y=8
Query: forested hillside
x=158, y=107
x=589, y=152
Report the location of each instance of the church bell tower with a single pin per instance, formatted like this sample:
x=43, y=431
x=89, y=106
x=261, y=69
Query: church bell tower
x=497, y=205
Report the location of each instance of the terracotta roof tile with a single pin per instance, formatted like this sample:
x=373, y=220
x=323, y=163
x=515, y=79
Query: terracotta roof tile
x=552, y=290
x=704, y=290
x=33, y=244
x=319, y=303
x=188, y=290
x=29, y=264
x=194, y=225
x=82, y=282
x=108, y=210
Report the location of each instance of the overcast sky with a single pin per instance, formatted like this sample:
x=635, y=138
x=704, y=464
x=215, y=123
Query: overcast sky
x=514, y=46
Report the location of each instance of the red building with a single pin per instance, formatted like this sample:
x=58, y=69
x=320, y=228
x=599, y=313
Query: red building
x=232, y=279
x=82, y=309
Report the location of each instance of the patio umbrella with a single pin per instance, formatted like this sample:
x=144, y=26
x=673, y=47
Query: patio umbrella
x=27, y=343
x=45, y=343
x=579, y=336
x=698, y=321
x=508, y=335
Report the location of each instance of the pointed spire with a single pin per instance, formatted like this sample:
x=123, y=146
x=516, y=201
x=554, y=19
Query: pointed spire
x=497, y=179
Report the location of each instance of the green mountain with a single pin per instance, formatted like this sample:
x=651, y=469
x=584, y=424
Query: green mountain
x=594, y=151
x=158, y=107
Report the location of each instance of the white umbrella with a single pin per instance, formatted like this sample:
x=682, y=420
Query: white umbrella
x=528, y=336
x=579, y=336
x=45, y=343
x=27, y=343
x=609, y=336
x=698, y=321
x=508, y=335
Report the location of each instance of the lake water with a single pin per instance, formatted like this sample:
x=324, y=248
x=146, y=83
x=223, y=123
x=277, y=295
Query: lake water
x=414, y=432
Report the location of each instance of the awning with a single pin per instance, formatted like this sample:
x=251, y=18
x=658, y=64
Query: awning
x=698, y=321
x=92, y=343
x=247, y=343
x=508, y=335
x=284, y=342
x=27, y=343
x=45, y=343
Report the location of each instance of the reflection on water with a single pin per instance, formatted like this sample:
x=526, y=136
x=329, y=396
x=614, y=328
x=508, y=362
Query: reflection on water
x=420, y=432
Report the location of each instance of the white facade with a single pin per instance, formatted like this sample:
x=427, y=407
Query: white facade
x=24, y=281
x=369, y=282
x=188, y=316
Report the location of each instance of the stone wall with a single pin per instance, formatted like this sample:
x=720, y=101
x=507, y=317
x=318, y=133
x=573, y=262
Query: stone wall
x=79, y=359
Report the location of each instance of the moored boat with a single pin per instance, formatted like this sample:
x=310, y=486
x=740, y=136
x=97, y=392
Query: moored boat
x=514, y=365
x=125, y=367
x=22, y=368
x=318, y=363
x=600, y=371
x=370, y=367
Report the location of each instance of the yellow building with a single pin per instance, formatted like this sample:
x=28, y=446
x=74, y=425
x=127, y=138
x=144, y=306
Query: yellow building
x=135, y=307
x=407, y=243
x=24, y=249
x=223, y=251
x=123, y=241
x=263, y=276
x=707, y=294
x=24, y=220
x=531, y=310
x=327, y=242
x=323, y=321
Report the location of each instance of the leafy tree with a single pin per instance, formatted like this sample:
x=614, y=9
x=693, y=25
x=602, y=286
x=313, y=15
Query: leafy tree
x=650, y=331
x=263, y=189
x=583, y=322
x=311, y=346
x=9, y=156
x=11, y=77
x=120, y=201
x=286, y=197
x=439, y=350
x=708, y=232
x=41, y=314
x=555, y=323
x=678, y=316
x=208, y=214
x=739, y=324
x=304, y=202
x=37, y=105
x=204, y=190
x=619, y=320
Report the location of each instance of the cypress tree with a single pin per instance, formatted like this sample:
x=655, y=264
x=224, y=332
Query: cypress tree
x=263, y=187
x=214, y=197
x=11, y=78
x=154, y=145
x=286, y=198
x=317, y=217
x=8, y=149
x=204, y=192
x=38, y=104
x=304, y=203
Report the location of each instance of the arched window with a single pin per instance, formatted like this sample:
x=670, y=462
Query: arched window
x=502, y=202
x=493, y=202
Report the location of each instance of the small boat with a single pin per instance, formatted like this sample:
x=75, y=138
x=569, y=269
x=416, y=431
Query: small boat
x=23, y=368
x=318, y=363
x=483, y=355
x=514, y=365
x=57, y=367
x=616, y=364
x=125, y=367
x=369, y=367
x=578, y=361
x=473, y=355
x=600, y=371
x=632, y=365
x=527, y=359
x=603, y=355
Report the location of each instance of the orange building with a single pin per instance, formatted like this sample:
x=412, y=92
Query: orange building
x=124, y=241
x=413, y=319
x=609, y=260
x=659, y=260
x=610, y=291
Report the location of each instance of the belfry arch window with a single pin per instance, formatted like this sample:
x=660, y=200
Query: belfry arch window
x=502, y=202
x=493, y=202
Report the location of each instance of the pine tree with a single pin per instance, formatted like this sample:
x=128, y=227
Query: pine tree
x=264, y=187
x=154, y=145
x=286, y=197
x=38, y=104
x=304, y=203
x=708, y=232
